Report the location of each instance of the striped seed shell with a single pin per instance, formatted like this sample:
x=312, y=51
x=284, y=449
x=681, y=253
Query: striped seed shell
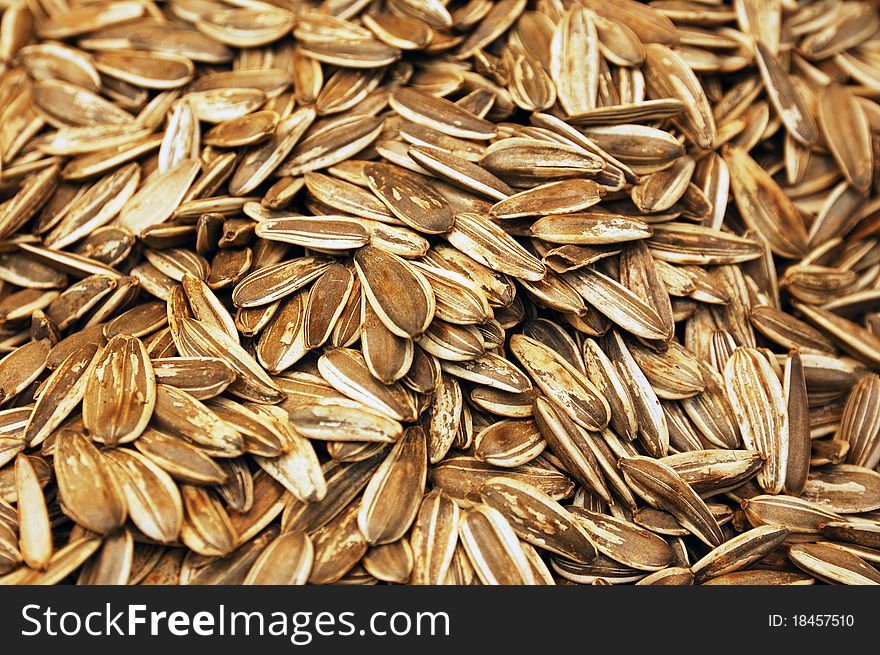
x=89, y=491
x=391, y=500
x=120, y=394
x=758, y=401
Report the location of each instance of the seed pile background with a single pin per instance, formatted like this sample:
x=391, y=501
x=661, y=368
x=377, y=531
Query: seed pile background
x=440, y=292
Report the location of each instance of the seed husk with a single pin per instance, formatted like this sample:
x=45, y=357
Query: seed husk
x=863, y=533
x=797, y=515
x=667, y=75
x=715, y=470
x=739, y=552
x=64, y=390
x=563, y=384
x=83, y=477
x=408, y=309
x=624, y=542
x=759, y=404
x=662, y=487
x=391, y=499
x=531, y=514
x=840, y=114
x=409, y=199
x=433, y=538
x=461, y=478
x=833, y=565
x=570, y=443
x=35, y=533
x=843, y=488
x=120, y=394
x=493, y=548
x=287, y=560
x=153, y=498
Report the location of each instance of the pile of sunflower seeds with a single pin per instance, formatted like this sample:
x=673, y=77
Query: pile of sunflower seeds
x=440, y=292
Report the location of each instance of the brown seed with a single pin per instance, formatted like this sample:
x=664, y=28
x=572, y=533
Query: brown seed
x=433, y=538
x=624, y=542
x=846, y=131
x=662, y=487
x=797, y=515
x=493, y=548
x=339, y=545
x=440, y=114
x=832, y=564
x=287, y=560
x=409, y=199
x=739, y=552
x=758, y=401
x=154, y=502
x=563, y=384
x=843, y=488
x=121, y=392
x=400, y=295
x=90, y=492
x=538, y=519
x=35, y=533
x=461, y=477
x=206, y=528
x=391, y=499
x=764, y=206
